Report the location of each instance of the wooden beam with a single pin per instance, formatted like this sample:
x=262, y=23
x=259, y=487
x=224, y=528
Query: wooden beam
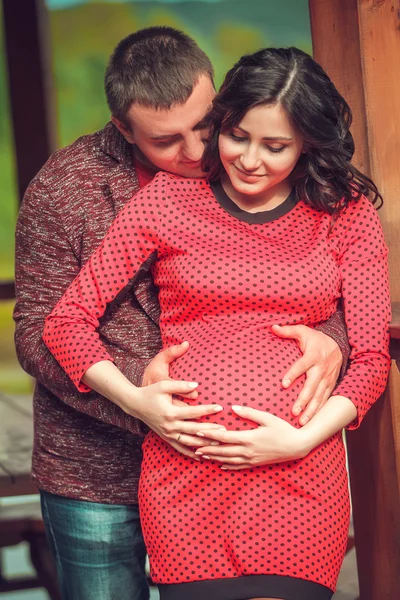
x=379, y=22
x=7, y=290
x=30, y=86
x=336, y=46
x=358, y=44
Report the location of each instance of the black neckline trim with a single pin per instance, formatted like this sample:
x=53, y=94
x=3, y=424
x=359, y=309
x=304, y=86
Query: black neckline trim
x=264, y=216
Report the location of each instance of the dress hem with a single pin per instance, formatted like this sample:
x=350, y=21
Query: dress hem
x=247, y=587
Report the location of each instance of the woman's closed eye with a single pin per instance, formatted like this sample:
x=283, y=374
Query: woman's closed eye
x=238, y=138
x=275, y=150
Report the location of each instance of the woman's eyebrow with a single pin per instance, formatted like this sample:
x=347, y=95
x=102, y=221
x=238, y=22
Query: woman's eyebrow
x=269, y=137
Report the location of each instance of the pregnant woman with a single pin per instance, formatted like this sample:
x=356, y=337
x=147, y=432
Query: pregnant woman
x=279, y=232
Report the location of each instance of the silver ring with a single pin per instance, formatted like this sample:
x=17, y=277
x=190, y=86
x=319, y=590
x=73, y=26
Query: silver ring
x=179, y=437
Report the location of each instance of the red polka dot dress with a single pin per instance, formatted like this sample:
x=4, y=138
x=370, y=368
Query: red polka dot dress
x=224, y=277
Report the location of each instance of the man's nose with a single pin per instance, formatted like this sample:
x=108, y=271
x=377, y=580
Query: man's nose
x=194, y=147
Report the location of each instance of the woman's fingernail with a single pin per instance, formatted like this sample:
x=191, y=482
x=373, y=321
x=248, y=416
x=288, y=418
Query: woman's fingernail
x=200, y=434
x=218, y=408
x=286, y=382
x=214, y=443
x=223, y=468
x=221, y=429
x=297, y=410
x=199, y=453
x=192, y=384
x=205, y=456
x=304, y=420
x=237, y=408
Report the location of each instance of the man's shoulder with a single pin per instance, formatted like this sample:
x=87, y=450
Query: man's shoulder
x=86, y=160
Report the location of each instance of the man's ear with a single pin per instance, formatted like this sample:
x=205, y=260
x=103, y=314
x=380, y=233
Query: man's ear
x=128, y=135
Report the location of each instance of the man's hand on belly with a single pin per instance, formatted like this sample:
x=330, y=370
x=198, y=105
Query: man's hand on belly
x=321, y=363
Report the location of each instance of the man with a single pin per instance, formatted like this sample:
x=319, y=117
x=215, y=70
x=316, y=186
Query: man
x=87, y=450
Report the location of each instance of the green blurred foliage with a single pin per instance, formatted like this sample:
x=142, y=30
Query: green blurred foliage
x=82, y=38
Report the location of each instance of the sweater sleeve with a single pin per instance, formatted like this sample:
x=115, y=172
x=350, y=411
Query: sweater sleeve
x=70, y=331
x=45, y=266
x=361, y=254
x=335, y=327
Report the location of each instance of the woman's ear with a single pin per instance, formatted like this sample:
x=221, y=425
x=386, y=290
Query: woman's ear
x=122, y=128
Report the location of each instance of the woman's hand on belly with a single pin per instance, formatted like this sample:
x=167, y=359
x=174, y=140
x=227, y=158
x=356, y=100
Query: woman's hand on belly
x=274, y=441
x=174, y=421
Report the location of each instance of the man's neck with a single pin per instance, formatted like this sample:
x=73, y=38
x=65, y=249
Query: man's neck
x=138, y=154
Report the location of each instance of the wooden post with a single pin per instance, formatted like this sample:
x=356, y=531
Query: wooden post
x=358, y=44
x=31, y=93
x=30, y=86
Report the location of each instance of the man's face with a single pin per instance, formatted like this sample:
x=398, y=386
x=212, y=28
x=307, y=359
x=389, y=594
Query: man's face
x=171, y=139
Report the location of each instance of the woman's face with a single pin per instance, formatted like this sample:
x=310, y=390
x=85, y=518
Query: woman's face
x=258, y=156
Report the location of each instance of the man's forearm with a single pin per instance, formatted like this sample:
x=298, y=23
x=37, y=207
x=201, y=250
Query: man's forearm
x=36, y=360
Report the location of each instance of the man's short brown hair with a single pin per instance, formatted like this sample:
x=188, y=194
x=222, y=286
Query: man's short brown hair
x=156, y=67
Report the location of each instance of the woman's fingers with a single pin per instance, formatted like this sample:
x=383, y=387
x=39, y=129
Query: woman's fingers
x=195, y=442
x=184, y=413
x=190, y=395
x=229, y=454
x=227, y=467
x=257, y=416
x=182, y=449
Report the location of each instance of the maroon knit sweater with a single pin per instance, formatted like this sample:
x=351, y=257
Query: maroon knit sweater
x=85, y=446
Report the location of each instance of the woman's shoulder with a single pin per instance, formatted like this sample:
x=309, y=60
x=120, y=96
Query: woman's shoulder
x=359, y=211
x=358, y=225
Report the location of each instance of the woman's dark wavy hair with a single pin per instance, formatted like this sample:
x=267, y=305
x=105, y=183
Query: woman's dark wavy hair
x=324, y=176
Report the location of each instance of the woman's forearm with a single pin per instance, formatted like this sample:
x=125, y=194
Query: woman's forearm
x=106, y=379
x=336, y=414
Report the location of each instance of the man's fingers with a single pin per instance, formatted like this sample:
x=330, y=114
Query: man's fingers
x=177, y=351
x=319, y=399
x=307, y=393
x=300, y=367
x=287, y=331
x=168, y=355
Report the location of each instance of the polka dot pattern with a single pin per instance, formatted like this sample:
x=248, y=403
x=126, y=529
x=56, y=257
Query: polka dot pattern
x=223, y=282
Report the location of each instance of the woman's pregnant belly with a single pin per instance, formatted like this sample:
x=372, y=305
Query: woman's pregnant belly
x=236, y=364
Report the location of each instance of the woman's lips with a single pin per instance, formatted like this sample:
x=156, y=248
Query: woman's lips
x=249, y=173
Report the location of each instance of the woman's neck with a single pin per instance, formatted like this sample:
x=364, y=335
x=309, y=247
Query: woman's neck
x=266, y=200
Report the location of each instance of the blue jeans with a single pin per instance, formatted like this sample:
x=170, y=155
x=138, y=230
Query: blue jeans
x=98, y=548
